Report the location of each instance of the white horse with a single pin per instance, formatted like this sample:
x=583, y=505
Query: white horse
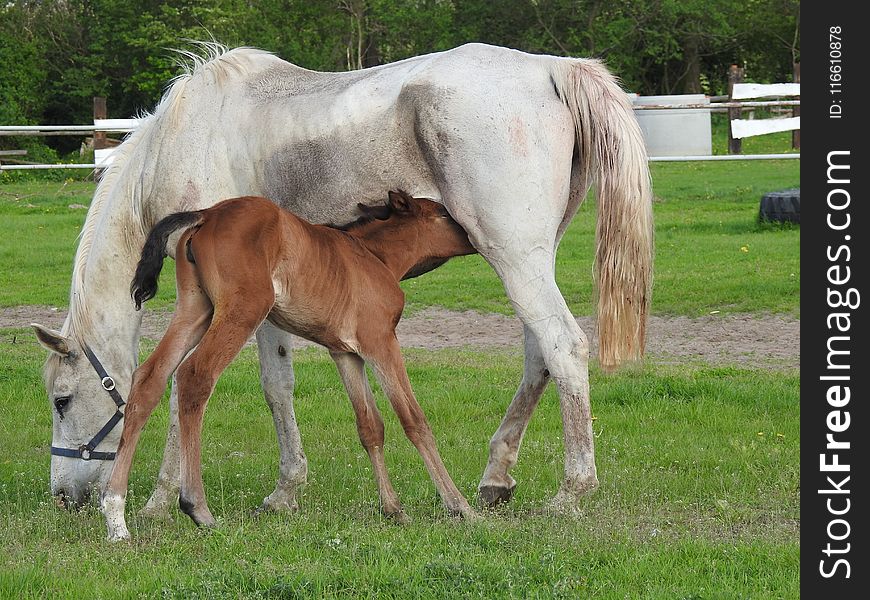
x=509, y=142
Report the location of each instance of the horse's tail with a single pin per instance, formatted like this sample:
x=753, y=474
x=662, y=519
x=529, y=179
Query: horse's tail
x=611, y=151
x=144, y=284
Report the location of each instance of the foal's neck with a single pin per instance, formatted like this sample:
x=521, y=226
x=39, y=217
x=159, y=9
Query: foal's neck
x=399, y=250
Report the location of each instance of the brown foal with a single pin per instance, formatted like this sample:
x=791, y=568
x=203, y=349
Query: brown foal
x=245, y=260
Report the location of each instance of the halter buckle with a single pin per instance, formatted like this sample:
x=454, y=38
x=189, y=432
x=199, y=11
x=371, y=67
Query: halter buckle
x=85, y=452
x=108, y=383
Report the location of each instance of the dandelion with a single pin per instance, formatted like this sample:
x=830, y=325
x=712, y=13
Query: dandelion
x=744, y=248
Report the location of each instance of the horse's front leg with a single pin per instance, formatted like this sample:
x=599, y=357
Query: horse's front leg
x=276, y=377
x=165, y=494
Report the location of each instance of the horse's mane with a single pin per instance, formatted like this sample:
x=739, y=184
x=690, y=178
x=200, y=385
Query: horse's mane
x=124, y=179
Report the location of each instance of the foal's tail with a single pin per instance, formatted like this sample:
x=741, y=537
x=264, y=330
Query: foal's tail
x=144, y=284
x=612, y=153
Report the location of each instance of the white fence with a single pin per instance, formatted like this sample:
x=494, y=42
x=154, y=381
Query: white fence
x=740, y=128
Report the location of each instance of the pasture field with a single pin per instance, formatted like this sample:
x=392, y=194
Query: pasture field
x=699, y=464
x=698, y=497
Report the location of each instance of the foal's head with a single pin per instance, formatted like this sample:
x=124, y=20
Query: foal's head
x=416, y=227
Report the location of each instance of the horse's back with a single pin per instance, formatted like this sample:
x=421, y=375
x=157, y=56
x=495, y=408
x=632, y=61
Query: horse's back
x=316, y=143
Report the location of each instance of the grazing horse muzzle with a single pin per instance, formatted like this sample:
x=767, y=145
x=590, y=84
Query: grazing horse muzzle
x=88, y=451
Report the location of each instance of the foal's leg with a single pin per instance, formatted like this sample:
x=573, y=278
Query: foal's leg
x=276, y=378
x=188, y=325
x=497, y=485
x=389, y=367
x=231, y=327
x=370, y=427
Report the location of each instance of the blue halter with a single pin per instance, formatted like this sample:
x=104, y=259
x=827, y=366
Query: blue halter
x=87, y=451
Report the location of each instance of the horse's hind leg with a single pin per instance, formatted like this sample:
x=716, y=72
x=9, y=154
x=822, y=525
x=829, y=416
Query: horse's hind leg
x=526, y=269
x=530, y=284
x=514, y=213
x=386, y=360
x=497, y=485
x=370, y=427
x=276, y=378
x=231, y=327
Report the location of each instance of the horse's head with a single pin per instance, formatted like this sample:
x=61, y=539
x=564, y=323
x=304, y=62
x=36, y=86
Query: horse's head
x=82, y=406
x=428, y=228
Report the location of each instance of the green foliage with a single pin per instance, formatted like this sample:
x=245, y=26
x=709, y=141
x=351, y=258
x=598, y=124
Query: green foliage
x=55, y=56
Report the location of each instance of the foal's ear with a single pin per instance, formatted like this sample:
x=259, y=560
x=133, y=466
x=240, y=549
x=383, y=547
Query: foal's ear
x=380, y=213
x=401, y=201
x=52, y=340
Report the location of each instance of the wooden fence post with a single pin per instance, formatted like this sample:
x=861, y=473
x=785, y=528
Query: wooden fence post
x=735, y=75
x=796, y=111
x=100, y=142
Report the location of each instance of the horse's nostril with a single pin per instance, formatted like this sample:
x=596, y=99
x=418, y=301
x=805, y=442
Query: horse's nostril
x=70, y=500
x=61, y=499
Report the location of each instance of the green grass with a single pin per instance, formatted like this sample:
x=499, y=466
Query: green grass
x=698, y=497
x=712, y=253
x=699, y=465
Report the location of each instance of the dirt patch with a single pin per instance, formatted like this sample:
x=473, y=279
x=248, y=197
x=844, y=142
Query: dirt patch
x=743, y=340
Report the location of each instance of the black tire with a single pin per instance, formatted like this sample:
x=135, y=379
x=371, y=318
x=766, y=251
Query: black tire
x=783, y=206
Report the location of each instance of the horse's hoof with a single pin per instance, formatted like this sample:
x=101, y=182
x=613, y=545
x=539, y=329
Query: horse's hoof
x=568, y=500
x=399, y=517
x=493, y=495
x=201, y=515
x=272, y=506
x=157, y=513
x=118, y=534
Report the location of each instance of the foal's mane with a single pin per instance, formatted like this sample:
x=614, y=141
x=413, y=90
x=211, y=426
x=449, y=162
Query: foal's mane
x=124, y=180
x=381, y=213
x=377, y=213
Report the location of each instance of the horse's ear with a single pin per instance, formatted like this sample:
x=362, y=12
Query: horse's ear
x=52, y=340
x=401, y=201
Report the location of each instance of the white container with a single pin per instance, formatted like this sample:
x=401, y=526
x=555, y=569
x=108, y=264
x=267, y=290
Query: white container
x=674, y=131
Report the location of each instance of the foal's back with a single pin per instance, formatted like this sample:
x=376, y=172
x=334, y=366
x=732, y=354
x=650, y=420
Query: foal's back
x=330, y=285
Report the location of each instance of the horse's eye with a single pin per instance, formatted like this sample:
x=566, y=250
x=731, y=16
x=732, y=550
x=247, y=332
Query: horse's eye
x=60, y=403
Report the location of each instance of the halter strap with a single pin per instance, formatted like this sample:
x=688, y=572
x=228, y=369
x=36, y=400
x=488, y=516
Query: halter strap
x=86, y=451
x=107, y=382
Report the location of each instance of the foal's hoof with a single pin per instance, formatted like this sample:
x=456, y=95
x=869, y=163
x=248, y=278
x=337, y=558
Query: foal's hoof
x=493, y=495
x=201, y=515
x=466, y=513
x=281, y=500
